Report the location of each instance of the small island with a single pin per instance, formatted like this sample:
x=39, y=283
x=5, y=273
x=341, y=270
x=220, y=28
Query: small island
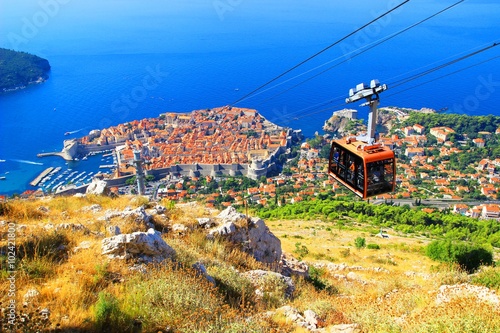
x=19, y=69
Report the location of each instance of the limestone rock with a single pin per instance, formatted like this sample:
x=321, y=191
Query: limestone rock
x=93, y=208
x=291, y=266
x=352, y=276
x=227, y=229
x=308, y=320
x=30, y=294
x=291, y=313
x=202, y=271
x=113, y=230
x=230, y=214
x=160, y=209
x=256, y=238
x=260, y=279
x=205, y=222
x=70, y=226
x=344, y=328
x=311, y=318
x=447, y=292
x=146, y=246
x=83, y=246
x=265, y=246
x=97, y=187
x=179, y=228
x=138, y=215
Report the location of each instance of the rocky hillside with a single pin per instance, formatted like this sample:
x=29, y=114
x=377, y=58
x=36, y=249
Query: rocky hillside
x=93, y=263
x=345, y=121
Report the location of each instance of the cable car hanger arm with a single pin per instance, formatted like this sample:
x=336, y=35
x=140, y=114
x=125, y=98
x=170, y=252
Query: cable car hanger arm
x=371, y=94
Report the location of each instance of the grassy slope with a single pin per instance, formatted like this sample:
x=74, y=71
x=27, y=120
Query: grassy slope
x=87, y=292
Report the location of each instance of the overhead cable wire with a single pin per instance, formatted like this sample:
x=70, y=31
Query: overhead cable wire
x=318, y=53
x=437, y=62
x=419, y=75
x=442, y=76
x=366, y=48
x=429, y=71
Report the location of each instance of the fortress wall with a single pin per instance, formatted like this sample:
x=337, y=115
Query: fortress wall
x=85, y=149
x=120, y=181
x=201, y=170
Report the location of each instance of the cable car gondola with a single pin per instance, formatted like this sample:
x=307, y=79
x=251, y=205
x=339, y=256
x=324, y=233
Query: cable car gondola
x=361, y=164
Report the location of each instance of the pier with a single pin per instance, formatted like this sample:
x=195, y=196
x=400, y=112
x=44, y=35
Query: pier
x=41, y=176
x=60, y=154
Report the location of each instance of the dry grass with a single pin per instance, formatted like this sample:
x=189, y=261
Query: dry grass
x=398, y=298
x=390, y=289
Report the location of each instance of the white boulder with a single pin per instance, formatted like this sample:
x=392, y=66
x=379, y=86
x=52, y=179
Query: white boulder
x=97, y=187
x=146, y=246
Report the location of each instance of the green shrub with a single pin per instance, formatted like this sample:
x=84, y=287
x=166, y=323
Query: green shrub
x=360, y=242
x=317, y=280
x=469, y=257
x=273, y=290
x=373, y=247
x=237, y=289
x=300, y=250
x=106, y=311
x=175, y=297
x=488, y=277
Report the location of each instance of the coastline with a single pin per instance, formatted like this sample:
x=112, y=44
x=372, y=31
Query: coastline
x=40, y=80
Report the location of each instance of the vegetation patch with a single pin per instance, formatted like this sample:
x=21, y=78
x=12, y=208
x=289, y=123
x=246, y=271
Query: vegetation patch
x=469, y=257
x=19, y=69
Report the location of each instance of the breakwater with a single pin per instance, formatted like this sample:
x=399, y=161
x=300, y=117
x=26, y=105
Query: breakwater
x=69, y=152
x=44, y=173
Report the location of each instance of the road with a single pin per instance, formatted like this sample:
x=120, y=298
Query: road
x=440, y=203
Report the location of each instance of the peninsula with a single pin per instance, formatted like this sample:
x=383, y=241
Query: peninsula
x=19, y=69
x=219, y=141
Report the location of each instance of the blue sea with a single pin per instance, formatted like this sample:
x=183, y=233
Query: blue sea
x=118, y=60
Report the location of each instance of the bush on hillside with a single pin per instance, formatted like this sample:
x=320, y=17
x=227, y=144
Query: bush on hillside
x=373, y=246
x=360, y=242
x=488, y=277
x=469, y=257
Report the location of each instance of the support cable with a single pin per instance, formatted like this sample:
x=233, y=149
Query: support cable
x=318, y=53
x=366, y=49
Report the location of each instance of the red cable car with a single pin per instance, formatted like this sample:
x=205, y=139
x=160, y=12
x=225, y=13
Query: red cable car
x=364, y=166
x=367, y=170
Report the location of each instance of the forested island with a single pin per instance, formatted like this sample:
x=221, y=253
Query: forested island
x=18, y=69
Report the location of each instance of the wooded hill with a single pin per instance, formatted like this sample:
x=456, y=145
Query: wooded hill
x=18, y=69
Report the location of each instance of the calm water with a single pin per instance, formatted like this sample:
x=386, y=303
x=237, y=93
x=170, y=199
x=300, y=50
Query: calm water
x=116, y=61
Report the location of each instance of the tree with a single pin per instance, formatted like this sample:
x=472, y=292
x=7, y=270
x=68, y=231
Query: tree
x=469, y=257
x=131, y=181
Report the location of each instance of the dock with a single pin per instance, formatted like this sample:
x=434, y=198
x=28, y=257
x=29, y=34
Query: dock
x=41, y=176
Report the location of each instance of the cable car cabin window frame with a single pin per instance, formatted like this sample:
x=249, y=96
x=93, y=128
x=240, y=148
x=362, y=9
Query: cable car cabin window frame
x=365, y=173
